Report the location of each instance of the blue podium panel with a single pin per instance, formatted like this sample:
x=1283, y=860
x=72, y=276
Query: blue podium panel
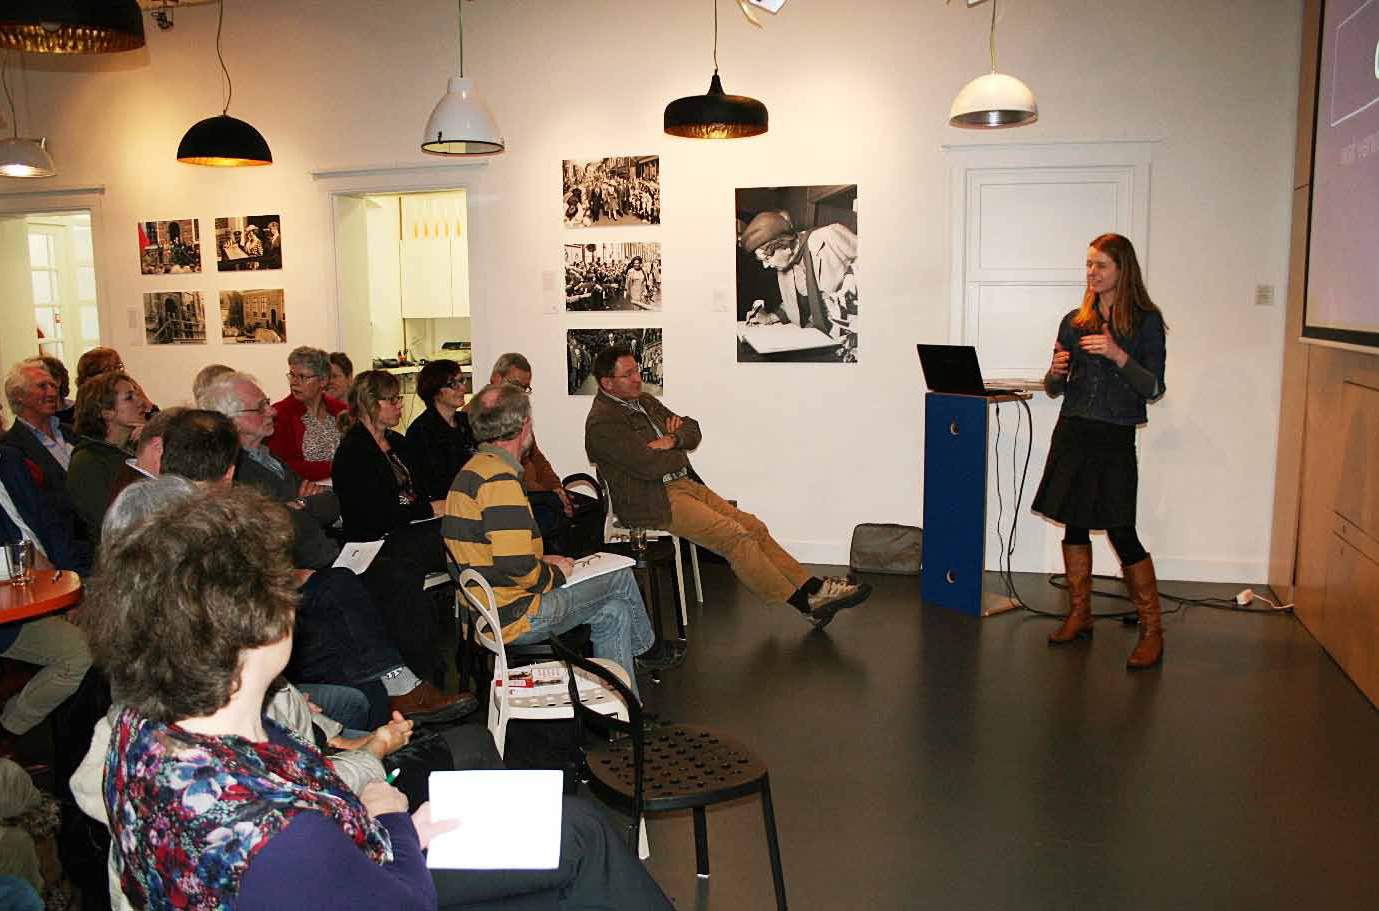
x=954, y=501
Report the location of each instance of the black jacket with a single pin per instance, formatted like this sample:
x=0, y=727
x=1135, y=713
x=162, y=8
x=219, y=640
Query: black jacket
x=439, y=451
x=371, y=501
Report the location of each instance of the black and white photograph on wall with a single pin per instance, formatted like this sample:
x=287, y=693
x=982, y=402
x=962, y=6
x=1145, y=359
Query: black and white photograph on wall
x=174, y=318
x=248, y=242
x=797, y=274
x=607, y=192
x=612, y=277
x=252, y=317
x=169, y=247
x=583, y=345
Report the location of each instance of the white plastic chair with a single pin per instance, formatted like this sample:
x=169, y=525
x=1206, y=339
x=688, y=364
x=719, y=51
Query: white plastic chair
x=551, y=702
x=614, y=531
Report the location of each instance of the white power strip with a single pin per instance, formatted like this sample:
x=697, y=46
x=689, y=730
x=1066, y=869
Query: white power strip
x=1247, y=596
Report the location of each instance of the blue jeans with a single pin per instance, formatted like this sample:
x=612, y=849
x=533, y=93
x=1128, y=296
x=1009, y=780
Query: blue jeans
x=612, y=606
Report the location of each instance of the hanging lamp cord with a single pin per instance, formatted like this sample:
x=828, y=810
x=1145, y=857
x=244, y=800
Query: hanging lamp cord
x=229, y=84
x=14, y=118
x=715, y=37
x=460, y=5
x=992, y=36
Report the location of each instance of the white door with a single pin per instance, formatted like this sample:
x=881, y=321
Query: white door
x=1022, y=218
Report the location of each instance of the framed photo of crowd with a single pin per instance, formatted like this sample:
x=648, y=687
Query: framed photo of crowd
x=583, y=345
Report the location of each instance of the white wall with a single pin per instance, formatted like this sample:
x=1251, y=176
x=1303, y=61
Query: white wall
x=858, y=92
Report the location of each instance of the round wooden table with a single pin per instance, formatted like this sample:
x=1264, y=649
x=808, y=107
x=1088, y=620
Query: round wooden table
x=48, y=593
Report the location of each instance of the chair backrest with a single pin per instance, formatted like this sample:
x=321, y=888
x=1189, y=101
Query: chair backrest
x=633, y=725
x=488, y=632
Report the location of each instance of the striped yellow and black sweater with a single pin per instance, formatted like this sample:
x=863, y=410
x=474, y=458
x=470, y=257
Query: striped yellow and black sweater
x=488, y=526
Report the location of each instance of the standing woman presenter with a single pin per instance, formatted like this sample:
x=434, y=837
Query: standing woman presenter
x=1108, y=364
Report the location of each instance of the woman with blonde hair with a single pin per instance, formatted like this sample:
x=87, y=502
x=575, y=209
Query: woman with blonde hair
x=1108, y=363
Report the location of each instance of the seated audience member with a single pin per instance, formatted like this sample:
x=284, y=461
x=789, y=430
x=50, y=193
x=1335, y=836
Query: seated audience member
x=194, y=608
x=341, y=637
x=314, y=507
x=205, y=377
x=439, y=437
x=489, y=527
x=52, y=642
x=110, y=410
x=640, y=448
x=341, y=375
x=36, y=432
x=26, y=814
x=375, y=473
x=194, y=619
x=97, y=361
x=66, y=409
x=380, y=499
x=307, y=432
x=551, y=504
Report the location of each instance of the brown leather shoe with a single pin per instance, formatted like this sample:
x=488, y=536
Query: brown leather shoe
x=1077, y=568
x=426, y=703
x=1144, y=594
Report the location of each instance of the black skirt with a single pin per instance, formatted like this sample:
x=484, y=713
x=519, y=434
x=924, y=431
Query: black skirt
x=1091, y=476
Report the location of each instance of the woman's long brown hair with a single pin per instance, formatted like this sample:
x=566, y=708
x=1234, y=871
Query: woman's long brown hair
x=1132, y=298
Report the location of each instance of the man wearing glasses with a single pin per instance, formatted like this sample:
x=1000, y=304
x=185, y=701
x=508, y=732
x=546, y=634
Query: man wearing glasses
x=640, y=448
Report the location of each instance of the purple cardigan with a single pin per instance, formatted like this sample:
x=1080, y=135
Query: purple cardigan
x=311, y=864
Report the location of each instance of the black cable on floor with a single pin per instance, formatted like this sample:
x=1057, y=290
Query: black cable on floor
x=1005, y=558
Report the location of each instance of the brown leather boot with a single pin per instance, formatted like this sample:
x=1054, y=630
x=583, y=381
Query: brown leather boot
x=1077, y=568
x=1144, y=594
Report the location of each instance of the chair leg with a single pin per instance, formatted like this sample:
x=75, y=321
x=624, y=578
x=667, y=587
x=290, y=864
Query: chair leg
x=701, y=842
x=772, y=845
x=682, y=604
x=698, y=582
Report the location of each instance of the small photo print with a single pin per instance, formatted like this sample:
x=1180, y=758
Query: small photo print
x=169, y=247
x=612, y=277
x=252, y=317
x=248, y=242
x=797, y=298
x=174, y=318
x=583, y=345
x=609, y=192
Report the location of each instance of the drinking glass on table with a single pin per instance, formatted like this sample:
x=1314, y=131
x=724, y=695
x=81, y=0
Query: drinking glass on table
x=19, y=562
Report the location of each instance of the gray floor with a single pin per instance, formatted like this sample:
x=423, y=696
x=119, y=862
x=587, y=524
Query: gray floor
x=924, y=759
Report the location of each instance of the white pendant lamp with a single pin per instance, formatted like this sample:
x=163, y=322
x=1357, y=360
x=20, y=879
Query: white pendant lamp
x=22, y=157
x=461, y=124
x=994, y=101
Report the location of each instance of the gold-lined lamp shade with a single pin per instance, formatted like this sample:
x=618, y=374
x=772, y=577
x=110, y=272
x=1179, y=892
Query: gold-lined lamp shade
x=71, y=26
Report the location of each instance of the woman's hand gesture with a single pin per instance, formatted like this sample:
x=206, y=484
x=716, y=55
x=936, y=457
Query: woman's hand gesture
x=1103, y=344
x=1061, y=356
x=380, y=798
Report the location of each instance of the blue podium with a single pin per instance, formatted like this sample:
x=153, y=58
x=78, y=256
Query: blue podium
x=955, y=484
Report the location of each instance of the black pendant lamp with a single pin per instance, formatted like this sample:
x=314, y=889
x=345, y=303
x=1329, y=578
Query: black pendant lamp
x=224, y=141
x=71, y=26
x=715, y=114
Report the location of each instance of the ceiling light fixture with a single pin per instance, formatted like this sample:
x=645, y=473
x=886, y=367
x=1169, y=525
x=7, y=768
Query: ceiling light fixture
x=994, y=101
x=71, y=26
x=22, y=157
x=461, y=124
x=715, y=115
x=224, y=141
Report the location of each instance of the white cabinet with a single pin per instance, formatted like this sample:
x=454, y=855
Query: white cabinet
x=434, y=255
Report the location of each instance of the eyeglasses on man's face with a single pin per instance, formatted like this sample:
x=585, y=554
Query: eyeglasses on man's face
x=262, y=408
x=302, y=377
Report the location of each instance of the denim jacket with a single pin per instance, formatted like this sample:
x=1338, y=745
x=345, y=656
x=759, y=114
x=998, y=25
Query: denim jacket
x=1096, y=388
